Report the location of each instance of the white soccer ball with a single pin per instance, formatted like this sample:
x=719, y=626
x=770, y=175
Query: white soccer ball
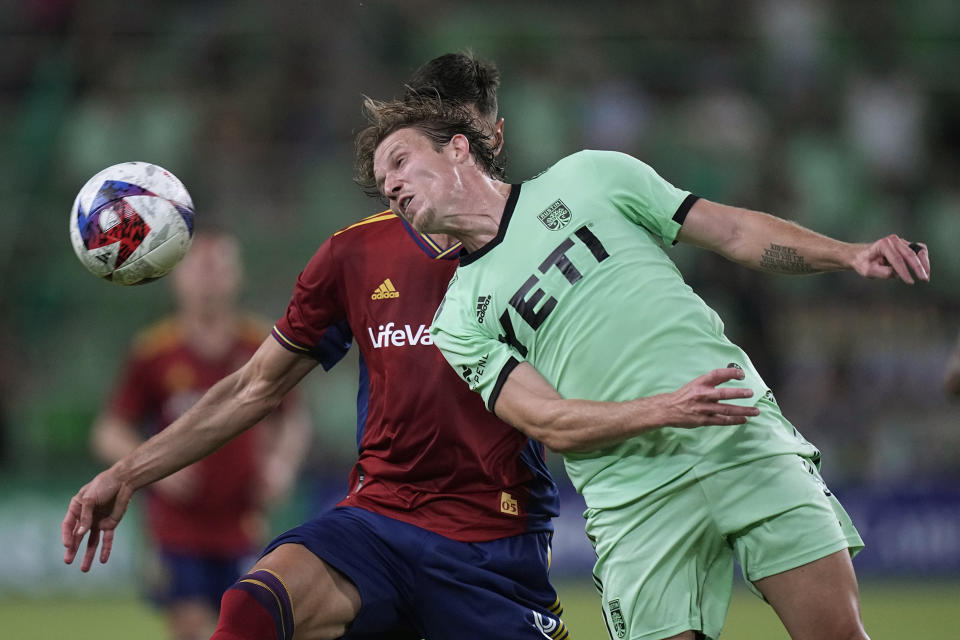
x=131, y=223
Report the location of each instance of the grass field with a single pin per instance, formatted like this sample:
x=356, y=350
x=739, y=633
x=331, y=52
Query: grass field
x=891, y=611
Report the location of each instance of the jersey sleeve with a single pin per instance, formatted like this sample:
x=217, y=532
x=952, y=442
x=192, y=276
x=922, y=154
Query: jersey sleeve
x=477, y=355
x=641, y=195
x=315, y=322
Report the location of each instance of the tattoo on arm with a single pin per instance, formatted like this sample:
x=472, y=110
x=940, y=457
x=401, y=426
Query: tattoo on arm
x=781, y=259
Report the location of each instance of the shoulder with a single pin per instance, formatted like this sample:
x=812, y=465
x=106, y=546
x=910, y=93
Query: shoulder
x=366, y=232
x=600, y=158
x=585, y=161
x=604, y=159
x=610, y=167
x=156, y=339
x=366, y=226
x=595, y=156
x=354, y=238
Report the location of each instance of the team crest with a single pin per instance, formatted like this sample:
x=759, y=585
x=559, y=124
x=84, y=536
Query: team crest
x=556, y=216
x=616, y=617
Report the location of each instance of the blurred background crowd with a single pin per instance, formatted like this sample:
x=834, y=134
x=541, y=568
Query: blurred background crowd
x=843, y=116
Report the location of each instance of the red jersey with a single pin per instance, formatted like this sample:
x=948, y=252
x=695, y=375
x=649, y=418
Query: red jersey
x=163, y=378
x=430, y=454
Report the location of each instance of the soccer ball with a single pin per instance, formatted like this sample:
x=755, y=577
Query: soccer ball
x=131, y=223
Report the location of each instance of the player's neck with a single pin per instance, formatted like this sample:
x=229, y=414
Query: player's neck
x=481, y=225
x=471, y=216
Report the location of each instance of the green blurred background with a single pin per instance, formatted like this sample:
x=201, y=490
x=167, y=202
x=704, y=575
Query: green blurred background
x=844, y=116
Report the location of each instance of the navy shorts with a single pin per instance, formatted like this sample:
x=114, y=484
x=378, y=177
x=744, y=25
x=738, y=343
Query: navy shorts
x=417, y=584
x=177, y=577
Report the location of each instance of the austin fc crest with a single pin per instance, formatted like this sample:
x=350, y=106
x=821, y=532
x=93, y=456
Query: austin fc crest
x=556, y=216
x=616, y=618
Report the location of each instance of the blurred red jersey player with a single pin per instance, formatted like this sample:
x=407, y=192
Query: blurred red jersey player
x=207, y=519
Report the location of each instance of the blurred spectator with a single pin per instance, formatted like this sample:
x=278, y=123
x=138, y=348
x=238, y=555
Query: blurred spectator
x=885, y=117
x=795, y=47
x=615, y=114
x=206, y=519
x=951, y=381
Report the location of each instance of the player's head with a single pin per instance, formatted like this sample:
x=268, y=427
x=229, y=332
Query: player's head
x=421, y=155
x=462, y=79
x=208, y=279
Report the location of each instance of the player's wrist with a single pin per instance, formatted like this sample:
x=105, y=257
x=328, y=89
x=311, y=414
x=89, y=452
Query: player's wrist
x=125, y=473
x=652, y=412
x=850, y=255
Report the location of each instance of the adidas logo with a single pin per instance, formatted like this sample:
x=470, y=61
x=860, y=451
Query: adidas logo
x=385, y=290
x=483, y=302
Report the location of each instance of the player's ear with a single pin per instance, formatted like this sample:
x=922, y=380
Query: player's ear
x=498, y=137
x=460, y=147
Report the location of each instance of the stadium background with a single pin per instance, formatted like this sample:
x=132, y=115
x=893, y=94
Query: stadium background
x=844, y=116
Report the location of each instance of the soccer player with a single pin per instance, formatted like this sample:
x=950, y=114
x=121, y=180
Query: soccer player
x=446, y=528
x=573, y=324
x=206, y=520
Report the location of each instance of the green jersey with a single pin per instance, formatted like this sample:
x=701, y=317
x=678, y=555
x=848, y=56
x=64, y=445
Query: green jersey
x=577, y=282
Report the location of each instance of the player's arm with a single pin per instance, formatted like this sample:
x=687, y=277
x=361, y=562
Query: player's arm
x=231, y=406
x=531, y=404
x=767, y=243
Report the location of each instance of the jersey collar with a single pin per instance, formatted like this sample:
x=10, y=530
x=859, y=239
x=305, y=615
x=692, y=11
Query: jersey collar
x=428, y=246
x=467, y=258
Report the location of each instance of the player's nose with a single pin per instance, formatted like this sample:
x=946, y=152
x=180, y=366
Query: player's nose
x=392, y=185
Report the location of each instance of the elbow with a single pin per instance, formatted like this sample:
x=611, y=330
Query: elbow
x=560, y=440
x=553, y=422
x=558, y=433
x=556, y=443
x=569, y=443
x=564, y=446
x=572, y=434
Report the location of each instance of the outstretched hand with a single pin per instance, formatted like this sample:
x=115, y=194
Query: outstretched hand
x=894, y=257
x=699, y=403
x=97, y=508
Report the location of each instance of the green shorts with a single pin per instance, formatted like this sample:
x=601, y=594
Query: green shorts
x=665, y=563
